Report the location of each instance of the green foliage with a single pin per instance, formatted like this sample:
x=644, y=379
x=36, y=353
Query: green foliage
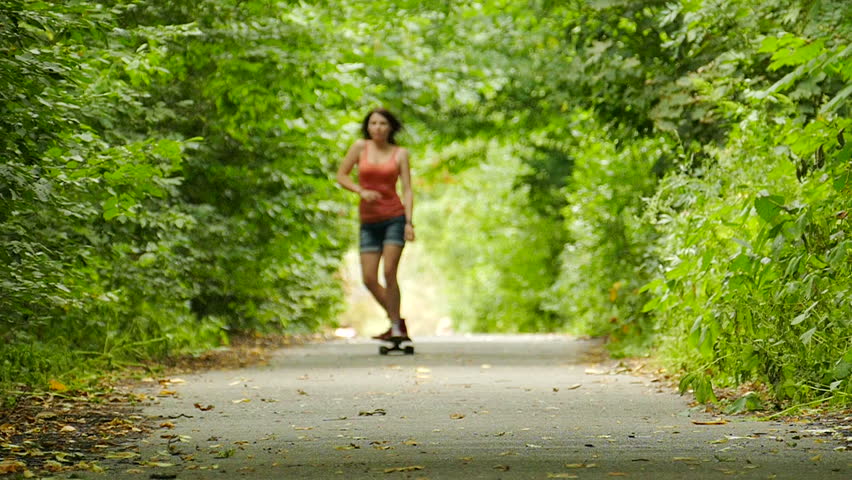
x=494, y=252
x=158, y=188
x=675, y=175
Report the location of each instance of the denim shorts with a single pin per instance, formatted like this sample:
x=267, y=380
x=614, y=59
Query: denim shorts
x=374, y=236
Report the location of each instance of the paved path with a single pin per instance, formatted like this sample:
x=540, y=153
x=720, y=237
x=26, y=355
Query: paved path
x=512, y=407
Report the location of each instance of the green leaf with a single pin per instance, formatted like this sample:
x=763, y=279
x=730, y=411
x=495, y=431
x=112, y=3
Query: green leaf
x=804, y=315
x=746, y=403
x=768, y=206
x=807, y=336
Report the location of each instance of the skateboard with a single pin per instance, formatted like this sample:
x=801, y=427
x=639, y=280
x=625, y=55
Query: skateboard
x=406, y=350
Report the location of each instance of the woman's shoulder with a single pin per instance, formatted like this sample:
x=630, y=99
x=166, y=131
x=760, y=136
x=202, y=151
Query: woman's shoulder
x=358, y=147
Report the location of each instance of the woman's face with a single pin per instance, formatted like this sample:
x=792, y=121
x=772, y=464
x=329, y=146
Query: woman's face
x=378, y=127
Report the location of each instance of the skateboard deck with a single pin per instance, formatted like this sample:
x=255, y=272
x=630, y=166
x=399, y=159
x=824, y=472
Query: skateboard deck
x=396, y=342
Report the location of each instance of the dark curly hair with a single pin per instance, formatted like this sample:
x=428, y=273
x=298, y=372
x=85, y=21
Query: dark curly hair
x=394, y=122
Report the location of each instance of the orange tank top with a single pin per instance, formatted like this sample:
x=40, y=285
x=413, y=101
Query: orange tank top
x=382, y=178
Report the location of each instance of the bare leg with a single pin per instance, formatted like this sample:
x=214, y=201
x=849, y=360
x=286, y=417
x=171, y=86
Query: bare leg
x=392, y=254
x=370, y=276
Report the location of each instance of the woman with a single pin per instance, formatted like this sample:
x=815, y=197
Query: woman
x=386, y=221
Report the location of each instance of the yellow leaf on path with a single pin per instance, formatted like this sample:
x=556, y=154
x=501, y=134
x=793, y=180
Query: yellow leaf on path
x=710, y=422
x=457, y=416
x=617, y=474
x=167, y=425
x=122, y=455
x=561, y=475
x=502, y=468
x=12, y=466
x=411, y=468
x=685, y=459
x=581, y=465
x=57, y=386
x=68, y=429
x=423, y=370
x=158, y=464
x=164, y=393
x=485, y=366
x=242, y=400
x=411, y=443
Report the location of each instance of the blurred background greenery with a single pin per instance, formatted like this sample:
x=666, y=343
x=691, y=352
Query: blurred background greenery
x=671, y=175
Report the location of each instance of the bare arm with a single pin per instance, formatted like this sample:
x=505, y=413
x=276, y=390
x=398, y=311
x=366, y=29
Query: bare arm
x=345, y=169
x=407, y=193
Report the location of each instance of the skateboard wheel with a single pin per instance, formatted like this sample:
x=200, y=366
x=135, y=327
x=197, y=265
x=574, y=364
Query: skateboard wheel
x=409, y=350
x=383, y=350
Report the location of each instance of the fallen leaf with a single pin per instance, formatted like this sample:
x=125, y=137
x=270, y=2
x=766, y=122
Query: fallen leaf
x=67, y=429
x=411, y=443
x=485, y=366
x=204, y=409
x=370, y=413
x=165, y=393
x=561, y=475
x=122, y=455
x=617, y=474
x=302, y=428
x=502, y=468
x=710, y=422
x=351, y=446
x=411, y=468
x=158, y=464
x=57, y=386
x=457, y=416
x=46, y=415
x=301, y=392
x=12, y=466
x=423, y=370
x=685, y=459
x=581, y=465
x=167, y=425
x=575, y=386
x=242, y=400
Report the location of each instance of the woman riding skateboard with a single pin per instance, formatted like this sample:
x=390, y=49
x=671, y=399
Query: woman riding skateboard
x=386, y=220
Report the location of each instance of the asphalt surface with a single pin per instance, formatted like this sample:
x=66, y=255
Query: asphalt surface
x=490, y=407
